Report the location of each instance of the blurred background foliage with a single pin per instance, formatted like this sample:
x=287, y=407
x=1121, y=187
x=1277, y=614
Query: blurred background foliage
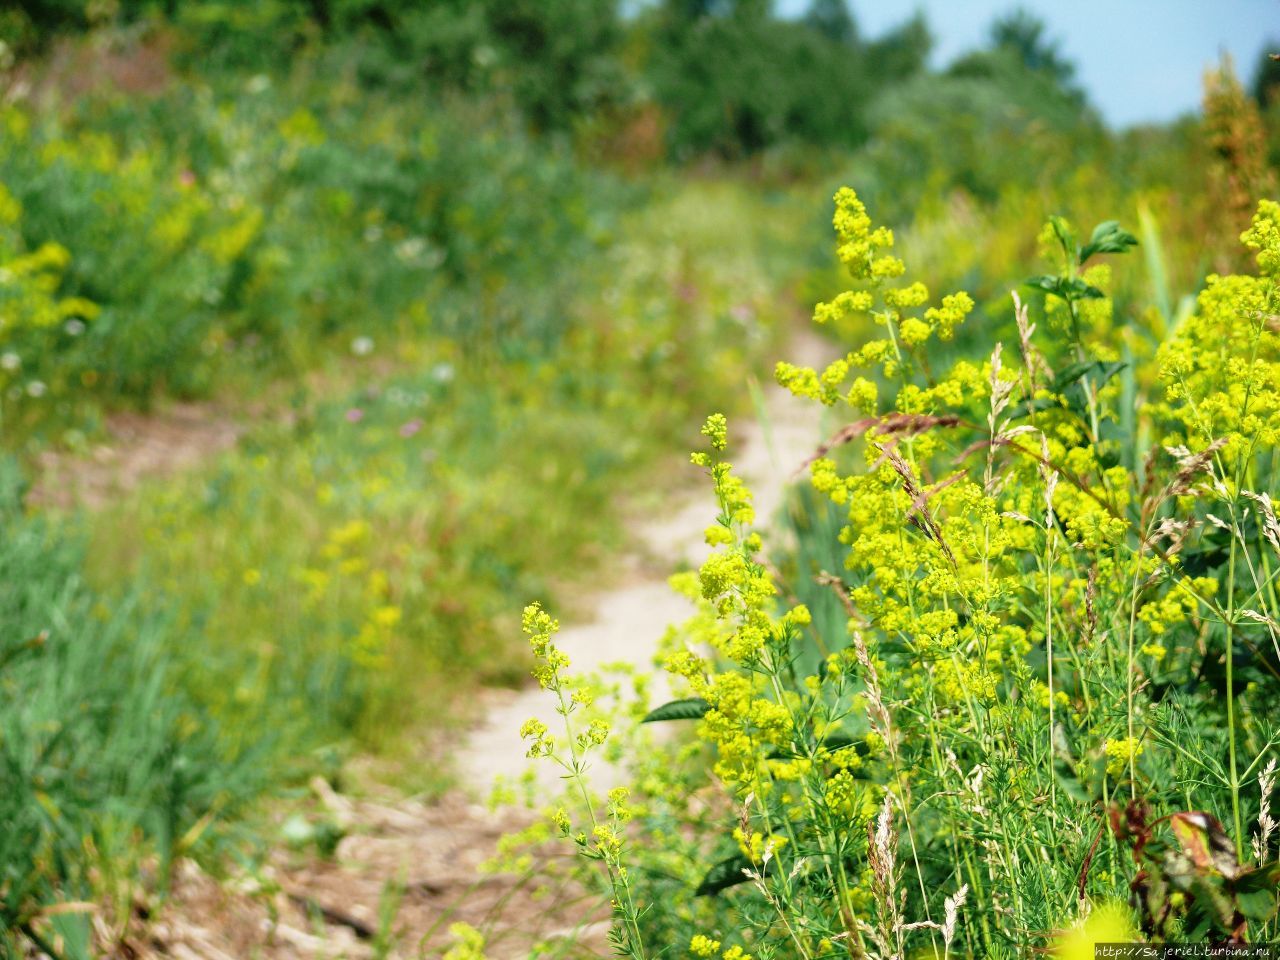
x=295, y=172
x=466, y=273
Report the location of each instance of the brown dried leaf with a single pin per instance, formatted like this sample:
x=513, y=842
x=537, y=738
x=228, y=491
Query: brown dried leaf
x=1205, y=842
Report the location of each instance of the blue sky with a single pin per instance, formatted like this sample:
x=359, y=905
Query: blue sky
x=1139, y=60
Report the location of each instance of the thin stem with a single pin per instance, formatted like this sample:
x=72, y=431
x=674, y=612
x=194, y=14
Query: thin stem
x=1231, y=695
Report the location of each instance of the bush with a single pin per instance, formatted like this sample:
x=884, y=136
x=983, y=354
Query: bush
x=735, y=79
x=266, y=224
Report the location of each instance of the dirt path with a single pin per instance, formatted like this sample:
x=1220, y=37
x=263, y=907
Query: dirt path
x=135, y=447
x=437, y=849
x=628, y=621
x=405, y=869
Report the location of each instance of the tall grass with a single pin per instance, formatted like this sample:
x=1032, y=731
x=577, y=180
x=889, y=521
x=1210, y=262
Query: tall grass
x=351, y=570
x=272, y=219
x=495, y=341
x=466, y=347
x=108, y=767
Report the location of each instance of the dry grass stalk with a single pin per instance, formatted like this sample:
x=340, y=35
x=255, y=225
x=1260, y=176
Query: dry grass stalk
x=1266, y=825
x=896, y=425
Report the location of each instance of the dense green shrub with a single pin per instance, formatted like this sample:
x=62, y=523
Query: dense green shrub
x=730, y=77
x=735, y=79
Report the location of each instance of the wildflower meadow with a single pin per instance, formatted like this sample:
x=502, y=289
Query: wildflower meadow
x=501, y=479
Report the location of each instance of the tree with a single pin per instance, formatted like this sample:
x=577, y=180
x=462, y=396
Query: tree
x=1266, y=75
x=833, y=20
x=1021, y=53
x=901, y=53
x=1023, y=34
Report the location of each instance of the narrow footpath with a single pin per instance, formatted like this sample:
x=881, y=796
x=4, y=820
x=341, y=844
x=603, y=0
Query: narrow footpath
x=627, y=622
x=406, y=869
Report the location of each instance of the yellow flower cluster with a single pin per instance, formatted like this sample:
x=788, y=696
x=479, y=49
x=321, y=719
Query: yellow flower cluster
x=1120, y=753
x=860, y=250
x=468, y=943
x=29, y=281
x=1018, y=570
x=1222, y=371
x=539, y=626
x=860, y=246
x=703, y=946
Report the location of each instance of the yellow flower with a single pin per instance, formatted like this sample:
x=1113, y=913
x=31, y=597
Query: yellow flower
x=386, y=617
x=914, y=331
x=703, y=946
x=469, y=943
x=716, y=429
x=1108, y=923
x=1120, y=752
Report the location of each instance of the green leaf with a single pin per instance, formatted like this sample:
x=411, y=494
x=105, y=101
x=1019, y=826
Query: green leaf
x=1046, y=281
x=725, y=874
x=75, y=932
x=1064, y=288
x=1098, y=371
x=1066, y=238
x=1066, y=386
x=1070, y=374
x=1036, y=405
x=1079, y=290
x=836, y=741
x=1200, y=924
x=1070, y=783
x=1257, y=904
x=1256, y=894
x=1107, y=238
x=691, y=708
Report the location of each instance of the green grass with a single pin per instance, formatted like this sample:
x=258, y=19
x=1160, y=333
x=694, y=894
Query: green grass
x=270, y=221
x=347, y=574
x=110, y=767
x=992, y=695
x=461, y=354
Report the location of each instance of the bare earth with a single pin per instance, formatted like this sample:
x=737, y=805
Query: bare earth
x=138, y=447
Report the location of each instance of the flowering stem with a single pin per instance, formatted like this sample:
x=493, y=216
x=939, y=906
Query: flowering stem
x=1231, y=695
